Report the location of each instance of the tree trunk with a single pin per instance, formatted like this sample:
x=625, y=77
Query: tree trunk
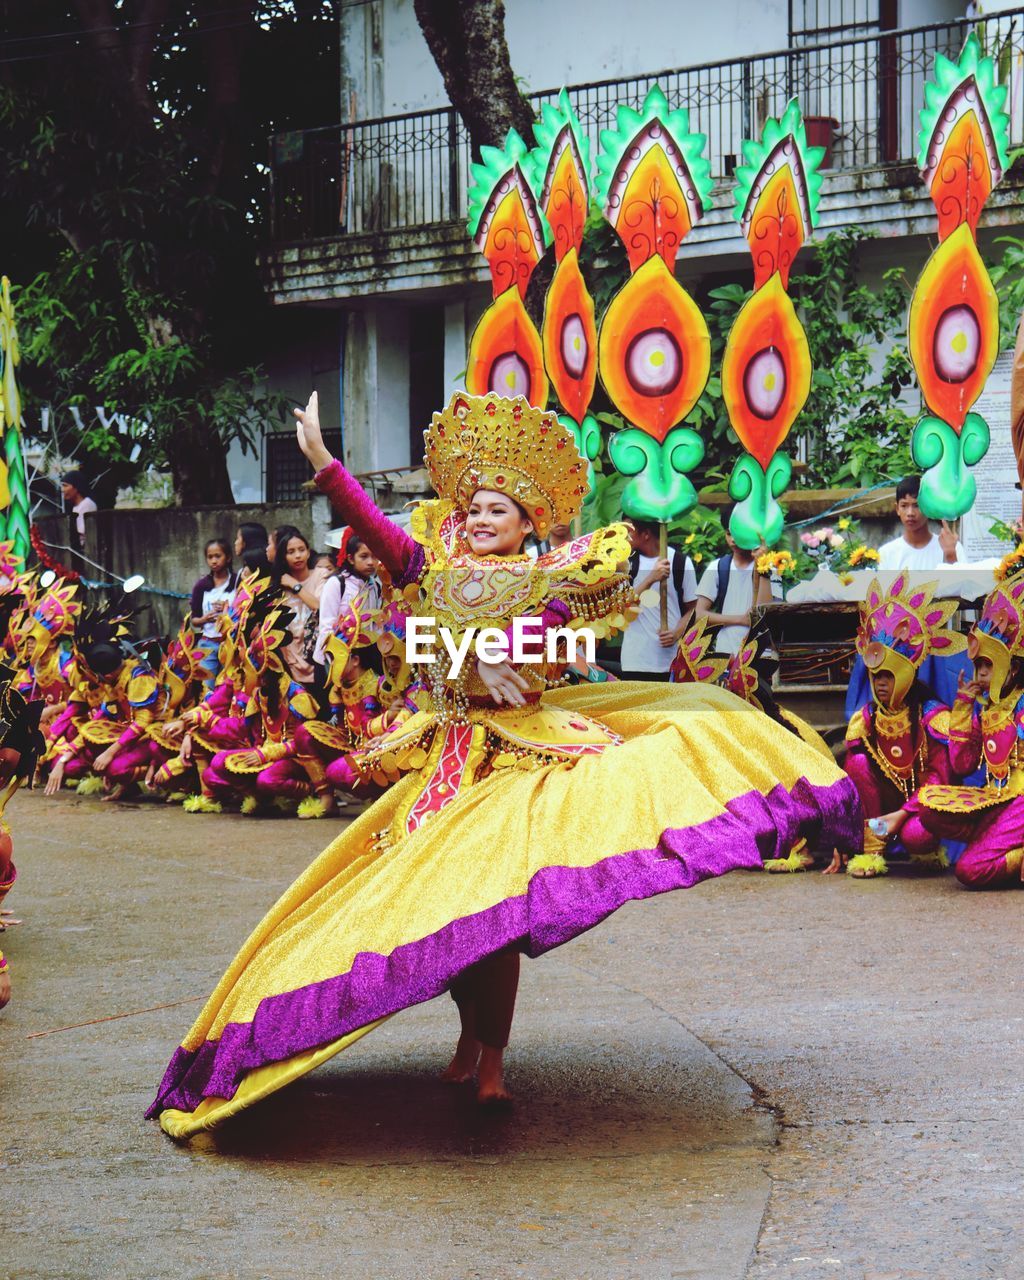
x=199, y=468
x=467, y=41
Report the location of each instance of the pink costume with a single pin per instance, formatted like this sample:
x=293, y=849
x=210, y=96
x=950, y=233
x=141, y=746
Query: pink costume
x=919, y=732
x=990, y=818
x=897, y=745
x=266, y=767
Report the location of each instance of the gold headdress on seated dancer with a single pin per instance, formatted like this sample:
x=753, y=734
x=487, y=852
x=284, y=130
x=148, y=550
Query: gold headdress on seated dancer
x=506, y=446
x=901, y=627
x=998, y=635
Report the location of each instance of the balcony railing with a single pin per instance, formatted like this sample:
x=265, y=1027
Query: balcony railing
x=860, y=96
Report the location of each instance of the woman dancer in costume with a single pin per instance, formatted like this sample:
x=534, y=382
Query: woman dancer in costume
x=896, y=743
x=497, y=840
x=986, y=725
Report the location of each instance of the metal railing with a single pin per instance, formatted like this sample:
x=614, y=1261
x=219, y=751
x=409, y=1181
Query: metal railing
x=860, y=97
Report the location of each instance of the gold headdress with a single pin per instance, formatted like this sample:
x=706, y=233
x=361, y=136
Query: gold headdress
x=692, y=662
x=998, y=635
x=901, y=627
x=507, y=446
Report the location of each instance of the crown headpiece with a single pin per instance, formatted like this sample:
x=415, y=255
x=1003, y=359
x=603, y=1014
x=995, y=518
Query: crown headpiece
x=56, y=611
x=356, y=628
x=266, y=636
x=998, y=635
x=506, y=446
x=692, y=663
x=741, y=677
x=901, y=627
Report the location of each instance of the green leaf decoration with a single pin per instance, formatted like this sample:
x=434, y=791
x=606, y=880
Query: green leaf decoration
x=497, y=164
x=949, y=77
x=657, y=486
x=757, y=518
x=628, y=123
x=948, y=488
x=806, y=163
x=14, y=518
x=587, y=435
x=548, y=132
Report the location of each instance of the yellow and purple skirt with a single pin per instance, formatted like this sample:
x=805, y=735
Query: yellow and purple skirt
x=701, y=784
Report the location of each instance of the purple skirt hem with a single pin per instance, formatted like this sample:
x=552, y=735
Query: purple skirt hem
x=559, y=904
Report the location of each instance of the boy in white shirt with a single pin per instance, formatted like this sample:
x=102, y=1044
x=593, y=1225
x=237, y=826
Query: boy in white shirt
x=729, y=589
x=917, y=547
x=647, y=651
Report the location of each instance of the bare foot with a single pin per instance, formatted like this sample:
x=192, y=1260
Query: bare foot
x=7, y=918
x=835, y=867
x=115, y=793
x=491, y=1091
x=462, y=1067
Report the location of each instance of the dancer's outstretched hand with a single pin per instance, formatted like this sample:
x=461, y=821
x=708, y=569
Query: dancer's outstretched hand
x=56, y=778
x=504, y=683
x=309, y=436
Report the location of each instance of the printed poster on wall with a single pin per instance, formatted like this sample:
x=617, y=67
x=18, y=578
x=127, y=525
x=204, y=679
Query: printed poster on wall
x=996, y=474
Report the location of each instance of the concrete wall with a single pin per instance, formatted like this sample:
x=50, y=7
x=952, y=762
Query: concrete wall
x=387, y=68
x=166, y=545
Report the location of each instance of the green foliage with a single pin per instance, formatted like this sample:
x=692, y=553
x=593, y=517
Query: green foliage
x=132, y=211
x=1008, y=277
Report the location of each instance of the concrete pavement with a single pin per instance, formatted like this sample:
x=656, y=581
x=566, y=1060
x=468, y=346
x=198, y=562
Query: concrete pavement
x=761, y=1077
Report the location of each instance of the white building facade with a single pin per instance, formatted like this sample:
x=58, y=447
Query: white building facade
x=374, y=278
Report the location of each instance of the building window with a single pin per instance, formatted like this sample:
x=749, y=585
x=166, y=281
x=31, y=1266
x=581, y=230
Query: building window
x=821, y=21
x=285, y=468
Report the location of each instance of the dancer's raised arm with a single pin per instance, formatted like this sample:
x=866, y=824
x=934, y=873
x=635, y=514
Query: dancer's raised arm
x=389, y=543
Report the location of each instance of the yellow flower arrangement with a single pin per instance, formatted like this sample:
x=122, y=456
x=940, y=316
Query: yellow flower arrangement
x=862, y=555
x=1011, y=563
x=776, y=562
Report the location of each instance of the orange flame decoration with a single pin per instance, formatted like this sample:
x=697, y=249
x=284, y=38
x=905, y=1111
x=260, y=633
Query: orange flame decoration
x=559, y=169
x=776, y=219
x=505, y=354
x=654, y=184
x=766, y=370
x=964, y=135
x=766, y=367
x=954, y=327
x=570, y=337
x=654, y=350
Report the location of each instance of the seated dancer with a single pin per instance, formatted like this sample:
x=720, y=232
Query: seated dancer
x=896, y=743
x=182, y=673
x=986, y=725
x=355, y=711
x=264, y=769
x=218, y=723
x=499, y=838
x=42, y=648
x=115, y=700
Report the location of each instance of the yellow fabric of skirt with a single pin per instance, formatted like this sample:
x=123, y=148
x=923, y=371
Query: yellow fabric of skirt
x=702, y=784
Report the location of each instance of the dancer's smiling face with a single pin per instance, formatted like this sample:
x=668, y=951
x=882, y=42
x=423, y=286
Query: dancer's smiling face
x=495, y=525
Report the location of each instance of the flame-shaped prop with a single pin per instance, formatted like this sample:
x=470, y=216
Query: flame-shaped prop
x=654, y=350
x=766, y=368
x=14, y=504
x=954, y=314
x=559, y=171
x=505, y=354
